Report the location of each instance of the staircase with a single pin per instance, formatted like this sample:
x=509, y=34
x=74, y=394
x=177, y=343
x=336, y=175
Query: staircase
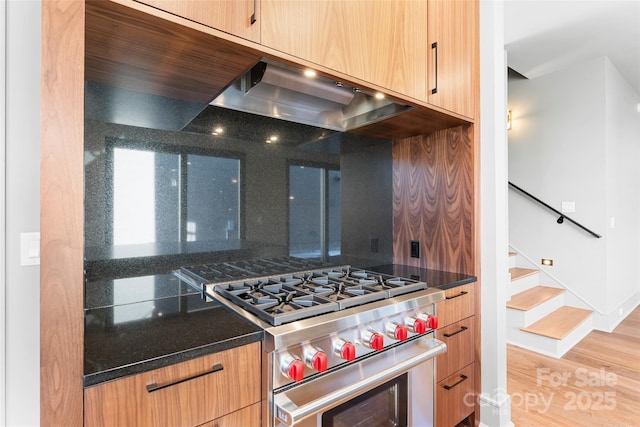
x=537, y=317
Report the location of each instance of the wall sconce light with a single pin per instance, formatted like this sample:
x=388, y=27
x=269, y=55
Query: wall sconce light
x=508, y=119
x=547, y=261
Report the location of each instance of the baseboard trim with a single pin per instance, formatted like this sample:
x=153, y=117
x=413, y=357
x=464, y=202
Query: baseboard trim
x=495, y=409
x=608, y=322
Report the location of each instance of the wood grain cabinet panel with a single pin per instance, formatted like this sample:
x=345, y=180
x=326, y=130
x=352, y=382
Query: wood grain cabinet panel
x=460, y=340
x=452, y=28
x=457, y=305
x=237, y=17
x=455, y=398
x=187, y=394
x=246, y=417
x=378, y=41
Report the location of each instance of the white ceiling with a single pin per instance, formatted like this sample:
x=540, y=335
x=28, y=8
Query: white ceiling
x=546, y=35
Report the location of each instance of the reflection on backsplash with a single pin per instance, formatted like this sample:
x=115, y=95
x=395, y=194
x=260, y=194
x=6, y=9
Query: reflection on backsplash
x=153, y=193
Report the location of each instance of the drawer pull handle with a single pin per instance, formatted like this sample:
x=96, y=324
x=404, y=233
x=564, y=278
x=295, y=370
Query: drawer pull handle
x=155, y=387
x=462, y=329
x=459, y=295
x=449, y=387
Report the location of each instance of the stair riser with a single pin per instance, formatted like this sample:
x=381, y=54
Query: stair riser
x=524, y=283
x=521, y=319
x=549, y=346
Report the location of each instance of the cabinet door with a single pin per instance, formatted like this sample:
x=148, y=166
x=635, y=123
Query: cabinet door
x=455, y=398
x=185, y=394
x=452, y=36
x=379, y=41
x=460, y=340
x=459, y=303
x=237, y=17
x=246, y=417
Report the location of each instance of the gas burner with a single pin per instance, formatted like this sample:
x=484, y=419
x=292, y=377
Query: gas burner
x=277, y=301
x=292, y=289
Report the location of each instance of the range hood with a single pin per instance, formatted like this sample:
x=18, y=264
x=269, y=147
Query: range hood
x=277, y=91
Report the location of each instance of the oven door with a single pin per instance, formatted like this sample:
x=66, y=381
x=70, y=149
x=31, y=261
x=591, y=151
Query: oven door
x=391, y=379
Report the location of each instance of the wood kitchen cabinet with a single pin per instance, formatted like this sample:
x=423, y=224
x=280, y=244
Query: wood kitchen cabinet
x=213, y=389
x=237, y=17
x=379, y=41
x=452, y=28
x=455, y=369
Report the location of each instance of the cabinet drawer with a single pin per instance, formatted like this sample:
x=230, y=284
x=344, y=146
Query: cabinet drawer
x=455, y=398
x=186, y=394
x=458, y=304
x=460, y=340
x=246, y=417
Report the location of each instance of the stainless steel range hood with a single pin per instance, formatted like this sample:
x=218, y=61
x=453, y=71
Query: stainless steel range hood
x=277, y=91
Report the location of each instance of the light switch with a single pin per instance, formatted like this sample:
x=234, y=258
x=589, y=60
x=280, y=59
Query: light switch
x=29, y=249
x=568, y=207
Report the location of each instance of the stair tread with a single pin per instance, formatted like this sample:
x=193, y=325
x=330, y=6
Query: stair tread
x=519, y=272
x=533, y=297
x=560, y=323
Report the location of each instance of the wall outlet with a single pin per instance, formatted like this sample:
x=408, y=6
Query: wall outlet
x=415, y=249
x=568, y=207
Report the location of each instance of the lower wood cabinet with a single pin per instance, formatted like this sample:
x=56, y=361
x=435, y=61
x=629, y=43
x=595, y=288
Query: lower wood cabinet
x=455, y=397
x=246, y=417
x=218, y=388
x=455, y=369
x=460, y=340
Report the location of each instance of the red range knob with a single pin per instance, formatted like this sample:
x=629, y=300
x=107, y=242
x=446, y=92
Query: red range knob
x=432, y=321
x=319, y=361
x=348, y=351
x=295, y=370
x=420, y=326
x=401, y=333
x=376, y=341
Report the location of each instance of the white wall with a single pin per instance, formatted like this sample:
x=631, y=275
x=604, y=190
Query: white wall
x=574, y=139
x=22, y=299
x=3, y=22
x=623, y=186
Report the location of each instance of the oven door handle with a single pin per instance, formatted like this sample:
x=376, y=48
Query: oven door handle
x=289, y=413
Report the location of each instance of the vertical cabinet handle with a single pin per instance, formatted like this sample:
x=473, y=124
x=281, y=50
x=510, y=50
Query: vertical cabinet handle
x=449, y=387
x=253, y=15
x=434, y=47
x=155, y=387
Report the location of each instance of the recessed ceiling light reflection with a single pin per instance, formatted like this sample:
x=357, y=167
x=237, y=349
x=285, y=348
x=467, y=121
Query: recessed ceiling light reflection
x=218, y=130
x=310, y=73
x=379, y=95
x=272, y=139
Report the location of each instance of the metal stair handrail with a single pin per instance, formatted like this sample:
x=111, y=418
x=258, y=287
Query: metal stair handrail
x=562, y=217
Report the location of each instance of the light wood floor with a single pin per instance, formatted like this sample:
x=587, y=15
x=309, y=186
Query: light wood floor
x=597, y=383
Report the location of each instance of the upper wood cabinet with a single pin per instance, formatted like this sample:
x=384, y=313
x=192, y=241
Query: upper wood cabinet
x=379, y=41
x=237, y=17
x=452, y=28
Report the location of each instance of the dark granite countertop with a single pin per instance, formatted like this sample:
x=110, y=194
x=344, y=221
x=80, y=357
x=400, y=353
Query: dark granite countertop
x=434, y=278
x=136, y=324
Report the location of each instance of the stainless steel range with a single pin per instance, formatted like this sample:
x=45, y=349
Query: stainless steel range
x=344, y=346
